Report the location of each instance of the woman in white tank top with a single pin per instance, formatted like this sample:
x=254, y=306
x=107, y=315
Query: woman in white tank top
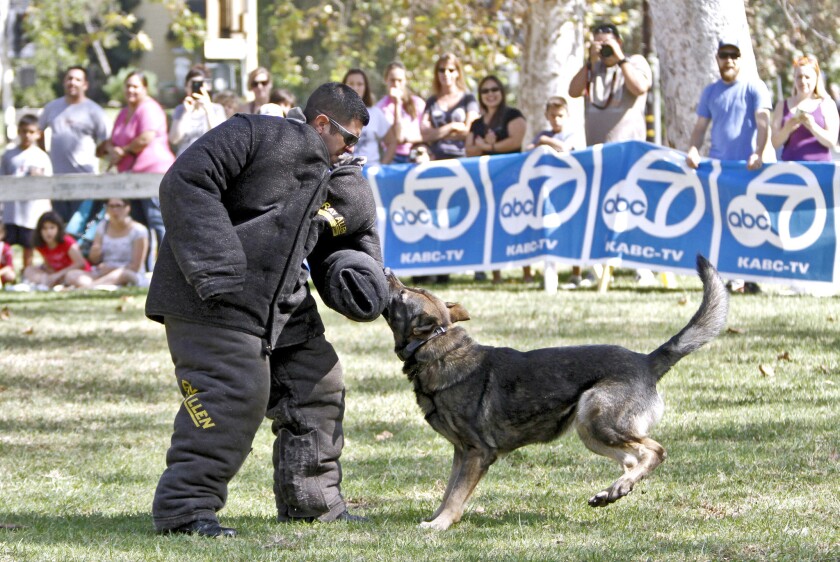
x=118, y=251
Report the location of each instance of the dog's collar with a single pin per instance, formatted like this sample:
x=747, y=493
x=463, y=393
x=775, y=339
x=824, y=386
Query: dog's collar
x=409, y=350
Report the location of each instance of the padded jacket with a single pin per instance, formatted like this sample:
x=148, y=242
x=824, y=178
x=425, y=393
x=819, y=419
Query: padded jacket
x=346, y=221
x=238, y=206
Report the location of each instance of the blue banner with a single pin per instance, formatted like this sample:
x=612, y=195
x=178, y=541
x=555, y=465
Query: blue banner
x=632, y=203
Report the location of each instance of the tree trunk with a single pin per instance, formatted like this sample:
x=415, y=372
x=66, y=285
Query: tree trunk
x=686, y=34
x=552, y=53
x=7, y=109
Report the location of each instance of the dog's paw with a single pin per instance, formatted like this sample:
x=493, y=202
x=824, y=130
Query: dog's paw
x=438, y=524
x=611, y=494
x=600, y=499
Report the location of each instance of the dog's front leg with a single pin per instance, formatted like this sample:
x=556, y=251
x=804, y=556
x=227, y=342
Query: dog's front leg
x=457, y=462
x=472, y=468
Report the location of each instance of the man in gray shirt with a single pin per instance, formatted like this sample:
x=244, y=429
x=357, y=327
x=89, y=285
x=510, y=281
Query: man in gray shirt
x=77, y=124
x=614, y=87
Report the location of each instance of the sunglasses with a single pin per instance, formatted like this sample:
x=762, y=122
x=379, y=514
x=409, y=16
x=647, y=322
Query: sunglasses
x=445, y=70
x=491, y=90
x=256, y=83
x=723, y=55
x=349, y=138
x=116, y=205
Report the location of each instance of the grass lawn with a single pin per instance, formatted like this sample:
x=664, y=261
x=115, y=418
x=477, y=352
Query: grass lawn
x=87, y=399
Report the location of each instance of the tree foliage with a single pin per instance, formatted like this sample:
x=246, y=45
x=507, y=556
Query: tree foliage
x=306, y=42
x=785, y=29
x=103, y=35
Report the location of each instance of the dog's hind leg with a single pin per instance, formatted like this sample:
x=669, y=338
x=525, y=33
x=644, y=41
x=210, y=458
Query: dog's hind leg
x=638, y=458
x=616, y=425
x=457, y=461
x=473, y=467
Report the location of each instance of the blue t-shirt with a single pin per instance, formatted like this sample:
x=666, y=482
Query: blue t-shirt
x=732, y=108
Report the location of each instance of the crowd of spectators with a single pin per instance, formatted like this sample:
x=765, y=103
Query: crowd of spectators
x=404, y=129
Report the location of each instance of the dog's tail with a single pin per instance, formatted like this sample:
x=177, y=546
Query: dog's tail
x=707, y=322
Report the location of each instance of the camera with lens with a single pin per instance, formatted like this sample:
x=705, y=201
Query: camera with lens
x=198, y=84
x=606, y=51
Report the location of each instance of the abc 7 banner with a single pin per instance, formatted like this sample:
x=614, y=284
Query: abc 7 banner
x=633, y=202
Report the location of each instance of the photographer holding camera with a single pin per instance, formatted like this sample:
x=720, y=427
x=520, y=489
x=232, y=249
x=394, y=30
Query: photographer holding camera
x=614, y=87
x=197, y=114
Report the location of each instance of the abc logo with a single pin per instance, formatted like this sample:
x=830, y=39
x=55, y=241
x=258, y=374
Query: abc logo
x=403, y=216
x=750, y=222
x=619, y=204
x=412, y=219
x=544, y=170
x=743, y=219
x=626, y=205
x=517, y=208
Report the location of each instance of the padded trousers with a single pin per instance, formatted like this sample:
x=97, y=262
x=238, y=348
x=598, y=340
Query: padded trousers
x=223, y=376
x=228, y=386
x=306, y=406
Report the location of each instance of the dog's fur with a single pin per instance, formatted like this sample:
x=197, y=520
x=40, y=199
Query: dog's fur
x=488, y=401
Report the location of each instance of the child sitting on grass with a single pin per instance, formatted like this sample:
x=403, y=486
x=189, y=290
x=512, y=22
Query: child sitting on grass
x=59, y=250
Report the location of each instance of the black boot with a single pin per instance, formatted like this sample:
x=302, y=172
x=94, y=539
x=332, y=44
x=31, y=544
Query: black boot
x=204, y=528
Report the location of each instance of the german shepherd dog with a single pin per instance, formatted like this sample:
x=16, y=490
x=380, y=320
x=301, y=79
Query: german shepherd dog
x=488, y=401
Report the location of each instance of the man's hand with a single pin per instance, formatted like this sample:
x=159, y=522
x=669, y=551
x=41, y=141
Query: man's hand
x=754, y=162
x=693, y=157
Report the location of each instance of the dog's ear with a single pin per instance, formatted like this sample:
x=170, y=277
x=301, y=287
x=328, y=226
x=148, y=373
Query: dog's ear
x=457, y=313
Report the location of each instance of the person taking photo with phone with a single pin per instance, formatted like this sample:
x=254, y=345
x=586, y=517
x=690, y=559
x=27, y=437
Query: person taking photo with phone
x=197, y=114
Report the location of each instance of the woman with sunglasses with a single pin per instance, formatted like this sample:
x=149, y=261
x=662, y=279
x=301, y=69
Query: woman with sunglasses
x=260, y=84
x=806, y=123
x=499, y=130
x=373, y=135
x=450, y=112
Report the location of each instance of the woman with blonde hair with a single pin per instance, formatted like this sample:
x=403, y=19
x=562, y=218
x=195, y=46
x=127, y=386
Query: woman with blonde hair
x=450, y=111
x=806, y=124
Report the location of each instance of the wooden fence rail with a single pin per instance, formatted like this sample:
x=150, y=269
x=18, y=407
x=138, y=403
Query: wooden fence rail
x=79, y=186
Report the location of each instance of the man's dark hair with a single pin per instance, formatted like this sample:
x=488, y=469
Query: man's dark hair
x=77, y=67
x=337, y=101
x=607, y=28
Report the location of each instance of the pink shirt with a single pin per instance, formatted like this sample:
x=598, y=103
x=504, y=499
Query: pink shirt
x=156, y=157
x=410, y=127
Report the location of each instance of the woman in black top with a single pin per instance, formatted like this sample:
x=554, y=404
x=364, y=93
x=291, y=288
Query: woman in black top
x=501, y=129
